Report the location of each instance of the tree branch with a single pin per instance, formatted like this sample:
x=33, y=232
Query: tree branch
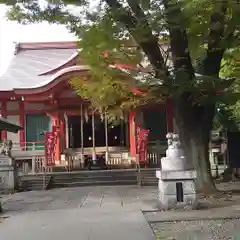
x=212, y=62
x=178, y=40
x=134, y=20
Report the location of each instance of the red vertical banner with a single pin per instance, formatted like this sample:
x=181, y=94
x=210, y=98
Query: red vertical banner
x=138, y=130
x=142, y=143
x=50, y=148
x=132, y=134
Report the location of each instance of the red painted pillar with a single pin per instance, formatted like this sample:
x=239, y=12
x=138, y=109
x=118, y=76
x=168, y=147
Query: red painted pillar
x=63, y=134
x=169, y=116
x=4, y=115
x=22, y=124
x=56, y=123
x=132, y=134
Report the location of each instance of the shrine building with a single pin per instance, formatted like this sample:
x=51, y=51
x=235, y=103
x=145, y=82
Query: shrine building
x=35, y=93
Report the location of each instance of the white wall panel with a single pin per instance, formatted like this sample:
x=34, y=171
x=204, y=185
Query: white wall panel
x=13, y=136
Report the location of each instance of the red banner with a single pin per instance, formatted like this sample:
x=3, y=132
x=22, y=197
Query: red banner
x=142, y=143
x=138, y=130
x=51, y=139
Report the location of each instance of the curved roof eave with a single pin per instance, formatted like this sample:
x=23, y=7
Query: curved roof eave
x=55, y=79
x=75, y=55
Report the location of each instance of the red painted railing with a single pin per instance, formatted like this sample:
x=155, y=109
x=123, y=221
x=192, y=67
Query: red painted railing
x=28, y=146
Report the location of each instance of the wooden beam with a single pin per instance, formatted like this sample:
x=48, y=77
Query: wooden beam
x=35, y=111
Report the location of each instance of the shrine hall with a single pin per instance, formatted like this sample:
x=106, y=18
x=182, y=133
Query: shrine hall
x=35, y=93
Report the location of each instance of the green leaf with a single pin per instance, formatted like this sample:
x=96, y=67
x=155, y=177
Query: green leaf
x=145, y=4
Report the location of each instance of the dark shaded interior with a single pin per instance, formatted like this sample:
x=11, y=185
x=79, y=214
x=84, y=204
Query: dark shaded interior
x=116, y=133
x=156, y=122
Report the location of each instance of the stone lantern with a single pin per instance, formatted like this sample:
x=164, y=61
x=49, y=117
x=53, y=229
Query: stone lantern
x=176, y=179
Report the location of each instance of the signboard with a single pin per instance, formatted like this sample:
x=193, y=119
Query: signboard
x=51, y=140
x=138, y=130
x=142, y=143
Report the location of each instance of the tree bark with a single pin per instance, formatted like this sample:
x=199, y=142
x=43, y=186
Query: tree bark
x=194, y=124
x=197, y=150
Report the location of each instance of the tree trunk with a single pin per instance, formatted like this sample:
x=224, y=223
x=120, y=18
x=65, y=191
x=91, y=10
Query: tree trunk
x=199, y=150
x=194, y=125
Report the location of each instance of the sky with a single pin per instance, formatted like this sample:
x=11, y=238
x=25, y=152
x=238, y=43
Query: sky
x=11, y=32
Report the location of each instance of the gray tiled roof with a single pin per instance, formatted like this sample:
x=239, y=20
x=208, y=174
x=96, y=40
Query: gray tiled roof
x=9, y=126
x=27, y=65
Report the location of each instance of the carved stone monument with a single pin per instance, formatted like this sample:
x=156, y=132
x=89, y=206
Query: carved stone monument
x=176, y=179
x=7, y=168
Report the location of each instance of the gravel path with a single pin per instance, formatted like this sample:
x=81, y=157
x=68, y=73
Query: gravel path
x=198, y=230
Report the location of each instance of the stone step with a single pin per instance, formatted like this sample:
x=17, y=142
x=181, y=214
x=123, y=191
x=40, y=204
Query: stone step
x=148, y=177
x=94, y=173
x=94, y=178
x=33, y=182
x=94, y=183
x=88, y=178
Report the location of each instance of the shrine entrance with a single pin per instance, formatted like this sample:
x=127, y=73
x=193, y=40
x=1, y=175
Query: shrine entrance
x=116, y=133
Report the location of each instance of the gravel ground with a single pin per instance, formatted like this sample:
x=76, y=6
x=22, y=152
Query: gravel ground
x=198, y=230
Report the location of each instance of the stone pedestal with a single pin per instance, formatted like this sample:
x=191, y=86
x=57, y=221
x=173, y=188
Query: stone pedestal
x=8, y=174
x=176, y=189
x=176, y=179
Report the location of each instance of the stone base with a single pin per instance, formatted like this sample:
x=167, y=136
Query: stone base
x=169, y=197
x=8, y=174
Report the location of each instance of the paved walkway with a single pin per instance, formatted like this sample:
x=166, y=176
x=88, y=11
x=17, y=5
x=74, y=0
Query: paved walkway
x=79, y=213
x=106, y=213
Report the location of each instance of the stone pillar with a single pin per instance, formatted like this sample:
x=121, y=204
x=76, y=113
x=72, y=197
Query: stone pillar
x=7, y=174
x=33, y=164
x=176, y=179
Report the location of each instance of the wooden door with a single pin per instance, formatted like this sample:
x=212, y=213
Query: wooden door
x=36, y=127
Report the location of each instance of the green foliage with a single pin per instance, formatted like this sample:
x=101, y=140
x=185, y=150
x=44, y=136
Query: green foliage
x=231, y=69
x=129, y=30
x=197, y=14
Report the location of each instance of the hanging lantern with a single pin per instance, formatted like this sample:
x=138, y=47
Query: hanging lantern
x=101, y=117
x=86, y=114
